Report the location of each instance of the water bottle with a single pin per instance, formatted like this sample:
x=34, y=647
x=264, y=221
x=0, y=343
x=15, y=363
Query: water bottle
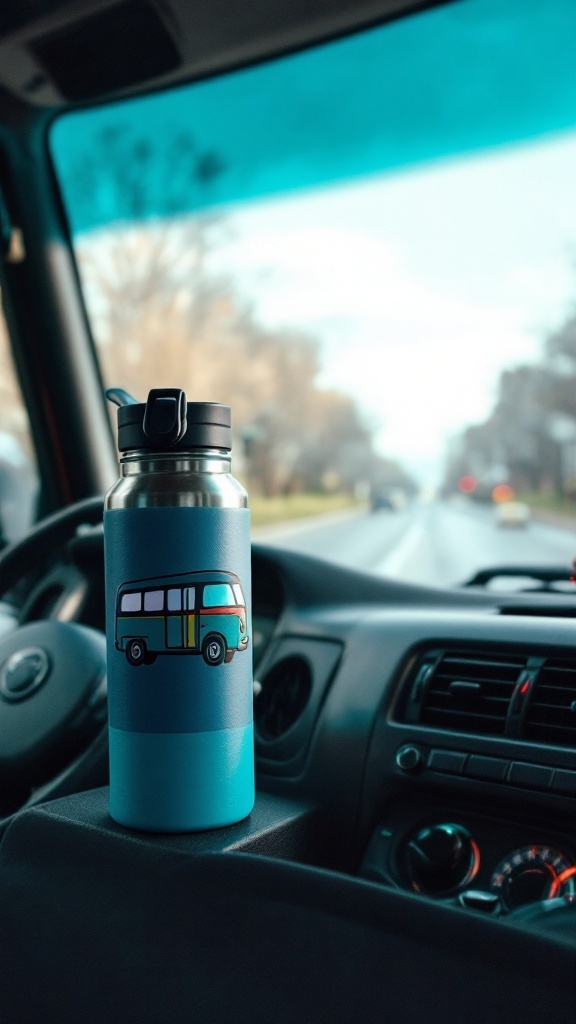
x=177, y=560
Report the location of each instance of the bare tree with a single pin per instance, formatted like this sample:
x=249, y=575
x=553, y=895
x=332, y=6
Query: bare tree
x=161, y=318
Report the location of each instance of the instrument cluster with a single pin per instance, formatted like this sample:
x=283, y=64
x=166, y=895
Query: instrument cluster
x=533, y=873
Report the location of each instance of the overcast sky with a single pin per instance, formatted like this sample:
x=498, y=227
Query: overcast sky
x=421, y=286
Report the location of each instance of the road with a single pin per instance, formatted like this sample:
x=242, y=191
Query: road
x=437, y=543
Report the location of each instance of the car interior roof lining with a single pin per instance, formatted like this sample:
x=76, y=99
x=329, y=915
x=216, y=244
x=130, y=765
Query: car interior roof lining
x=46, y=45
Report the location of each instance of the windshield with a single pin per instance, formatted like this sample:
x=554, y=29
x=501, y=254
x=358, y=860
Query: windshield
x=369, y=250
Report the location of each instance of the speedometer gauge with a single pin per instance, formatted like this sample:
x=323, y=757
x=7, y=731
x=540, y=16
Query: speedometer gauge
x=530, y=874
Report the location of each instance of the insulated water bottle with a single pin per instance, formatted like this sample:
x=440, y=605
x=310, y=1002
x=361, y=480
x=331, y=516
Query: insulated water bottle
x=177, y=558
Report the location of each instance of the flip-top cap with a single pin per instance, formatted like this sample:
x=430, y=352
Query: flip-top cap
x=167, y=422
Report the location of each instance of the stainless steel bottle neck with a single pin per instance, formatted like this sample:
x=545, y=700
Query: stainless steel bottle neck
x=205, y=460
x=176, y=479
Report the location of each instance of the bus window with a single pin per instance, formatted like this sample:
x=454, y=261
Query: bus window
x=190, y=598
x=216, y=594
x=131, y=603
x=238, y=593
x=154, y=601
x=175, y=600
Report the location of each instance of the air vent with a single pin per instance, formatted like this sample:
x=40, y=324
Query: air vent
x=470, y=693
x=285, y=692
x=551, y=715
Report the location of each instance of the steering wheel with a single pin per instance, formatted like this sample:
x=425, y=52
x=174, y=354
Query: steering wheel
x=53, y=713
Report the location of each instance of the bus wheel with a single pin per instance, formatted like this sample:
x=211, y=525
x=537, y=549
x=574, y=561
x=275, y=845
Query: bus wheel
x=136, y=652
x=214, y=649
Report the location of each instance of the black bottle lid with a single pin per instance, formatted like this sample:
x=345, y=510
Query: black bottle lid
x=168, y=422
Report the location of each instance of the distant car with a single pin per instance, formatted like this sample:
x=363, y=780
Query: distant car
x=512, y=513
x=380, y=500
x=393, y=499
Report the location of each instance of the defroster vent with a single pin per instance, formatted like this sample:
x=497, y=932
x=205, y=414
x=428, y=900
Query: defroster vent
x=465, y=692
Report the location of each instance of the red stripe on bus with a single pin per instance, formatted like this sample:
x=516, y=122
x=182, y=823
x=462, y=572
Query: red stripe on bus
x=224, y=610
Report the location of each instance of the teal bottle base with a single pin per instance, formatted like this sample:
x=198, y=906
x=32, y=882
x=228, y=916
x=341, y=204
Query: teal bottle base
x=181, y=782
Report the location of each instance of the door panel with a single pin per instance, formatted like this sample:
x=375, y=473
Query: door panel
x=174, y=630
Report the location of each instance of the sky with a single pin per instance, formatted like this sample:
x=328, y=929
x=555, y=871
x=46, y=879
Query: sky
x=421, y=286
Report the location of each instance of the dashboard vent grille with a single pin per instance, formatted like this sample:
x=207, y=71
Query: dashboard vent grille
x=551, y=715
x=471, y=693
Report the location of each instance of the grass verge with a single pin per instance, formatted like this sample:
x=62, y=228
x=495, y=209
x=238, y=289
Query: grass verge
x=267, y=511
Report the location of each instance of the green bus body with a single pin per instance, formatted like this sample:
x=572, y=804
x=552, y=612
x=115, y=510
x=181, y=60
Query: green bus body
x=192, y=613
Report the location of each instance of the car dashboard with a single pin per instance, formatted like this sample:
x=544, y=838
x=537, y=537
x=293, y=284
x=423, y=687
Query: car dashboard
x=447, y=703
x=416, y=788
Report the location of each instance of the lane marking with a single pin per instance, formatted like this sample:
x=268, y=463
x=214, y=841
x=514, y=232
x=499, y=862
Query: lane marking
x=394, y=562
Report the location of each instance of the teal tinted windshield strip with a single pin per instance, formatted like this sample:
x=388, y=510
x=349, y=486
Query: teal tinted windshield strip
x=471, y=75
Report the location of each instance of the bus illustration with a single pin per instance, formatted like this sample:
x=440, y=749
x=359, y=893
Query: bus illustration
x=191, y=613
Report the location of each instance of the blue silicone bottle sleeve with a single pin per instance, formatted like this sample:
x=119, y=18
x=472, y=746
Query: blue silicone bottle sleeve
x=178, y=626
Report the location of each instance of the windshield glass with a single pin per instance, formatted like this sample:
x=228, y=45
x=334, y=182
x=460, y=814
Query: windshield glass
x=369, y=250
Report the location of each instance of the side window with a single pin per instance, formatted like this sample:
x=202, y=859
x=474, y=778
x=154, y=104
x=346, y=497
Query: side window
x=238, y=594
x=216, y=594
x=18, y=472
x=131, y=603
x=154, y=601
x=174, y=600
x=190, y=598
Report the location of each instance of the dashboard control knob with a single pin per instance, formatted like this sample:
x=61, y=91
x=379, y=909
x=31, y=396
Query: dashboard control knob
x=442, y=859
x=409, y=758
